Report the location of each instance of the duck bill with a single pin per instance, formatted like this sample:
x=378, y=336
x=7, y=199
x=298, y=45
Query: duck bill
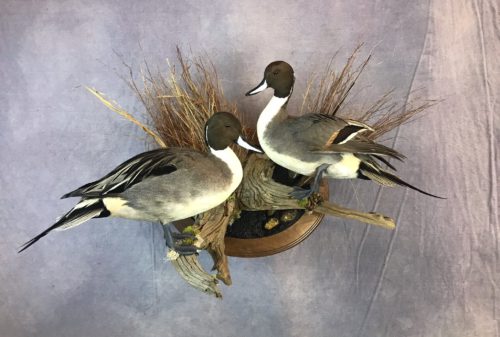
x=243, y=143
x=261, y=87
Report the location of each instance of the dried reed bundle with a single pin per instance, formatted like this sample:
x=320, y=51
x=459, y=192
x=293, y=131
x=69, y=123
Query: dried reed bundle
x=179, y=103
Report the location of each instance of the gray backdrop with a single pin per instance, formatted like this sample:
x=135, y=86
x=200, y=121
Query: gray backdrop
x=437, y=274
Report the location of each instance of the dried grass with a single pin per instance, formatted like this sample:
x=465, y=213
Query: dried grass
x=179, y=102
x=327, y=94
x=114, y=106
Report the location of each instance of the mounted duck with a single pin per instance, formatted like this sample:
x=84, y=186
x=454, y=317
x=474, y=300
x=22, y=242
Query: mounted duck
x=164, y=185
x=318, y=144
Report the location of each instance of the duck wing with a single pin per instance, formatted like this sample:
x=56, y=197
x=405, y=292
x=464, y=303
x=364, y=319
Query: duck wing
x=136, y=169
x=331, y=134
x=362, y=146
x=318, y=130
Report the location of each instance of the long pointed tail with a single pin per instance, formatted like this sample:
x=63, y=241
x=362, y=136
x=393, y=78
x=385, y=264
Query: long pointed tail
x=387, y=179
x=85, y=210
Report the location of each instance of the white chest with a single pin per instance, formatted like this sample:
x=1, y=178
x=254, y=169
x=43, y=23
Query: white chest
x=231, y=159
x=289, y=162
x=294, y=164
x=199, y=204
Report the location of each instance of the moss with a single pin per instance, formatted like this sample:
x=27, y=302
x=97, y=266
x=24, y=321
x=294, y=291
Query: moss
x=188, y=242
x=303, y=203
x=194, y=230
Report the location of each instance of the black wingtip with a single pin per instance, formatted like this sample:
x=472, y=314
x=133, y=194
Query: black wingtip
x=75, y=193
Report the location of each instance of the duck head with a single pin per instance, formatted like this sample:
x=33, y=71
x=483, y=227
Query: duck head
x=224, y=129
x=279, y=76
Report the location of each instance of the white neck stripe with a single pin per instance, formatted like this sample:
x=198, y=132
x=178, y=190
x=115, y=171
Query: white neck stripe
x=229, y=157
x=270, y=111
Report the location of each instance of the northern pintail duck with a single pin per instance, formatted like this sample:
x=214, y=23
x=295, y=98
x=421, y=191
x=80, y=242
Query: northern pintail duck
x=164, y=185
x=317, y=144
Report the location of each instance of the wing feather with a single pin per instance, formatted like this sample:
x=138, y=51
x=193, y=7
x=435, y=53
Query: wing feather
x=129, y=173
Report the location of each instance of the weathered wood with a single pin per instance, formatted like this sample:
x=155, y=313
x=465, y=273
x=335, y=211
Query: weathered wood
x=258, y=191
x=192, y=272
x=213, y=225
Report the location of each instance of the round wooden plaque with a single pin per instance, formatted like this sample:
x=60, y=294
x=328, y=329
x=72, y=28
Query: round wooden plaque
x=273, y=244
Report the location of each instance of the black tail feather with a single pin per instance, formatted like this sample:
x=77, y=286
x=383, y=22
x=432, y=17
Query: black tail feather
x=31, y=242
x=401, y=182
x=392, y=178
x=96, y=209
x=385, y=161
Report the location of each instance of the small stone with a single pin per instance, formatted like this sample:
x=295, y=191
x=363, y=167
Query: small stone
x=271, y=223
x=289, y=215
x=172, y=255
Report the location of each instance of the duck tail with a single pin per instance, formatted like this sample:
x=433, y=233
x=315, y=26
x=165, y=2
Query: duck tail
x=387, y=179
x=85, y=210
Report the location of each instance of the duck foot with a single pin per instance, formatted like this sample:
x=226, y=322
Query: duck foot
x=308, y=199
x=175, y=240
x=302, y=193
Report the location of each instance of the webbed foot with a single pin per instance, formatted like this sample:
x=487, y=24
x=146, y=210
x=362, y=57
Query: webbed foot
x=177, y=241
x=300, y=193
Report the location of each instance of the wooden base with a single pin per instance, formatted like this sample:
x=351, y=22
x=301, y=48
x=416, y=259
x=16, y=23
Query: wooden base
x=279, y=242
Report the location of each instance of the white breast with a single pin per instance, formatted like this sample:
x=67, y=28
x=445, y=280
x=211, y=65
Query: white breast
x=289, y=162
x=197, y=205
x=294, y=164
x=231, y=159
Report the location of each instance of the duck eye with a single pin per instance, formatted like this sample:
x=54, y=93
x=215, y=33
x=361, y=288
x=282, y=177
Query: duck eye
x=276, y=72
x=227, y=126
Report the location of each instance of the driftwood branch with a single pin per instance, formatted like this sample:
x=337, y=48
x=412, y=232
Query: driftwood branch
x=212, y=227
x=189, y=269
x=259, y=191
